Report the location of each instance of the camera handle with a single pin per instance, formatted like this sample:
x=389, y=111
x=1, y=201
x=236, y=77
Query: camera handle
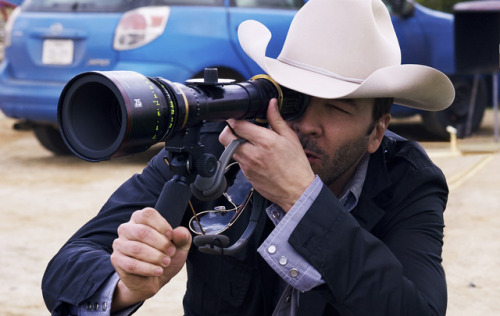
x=207, y=180
x=173, y=200
x=194, y=173
x=210, y=188
x=186, y=160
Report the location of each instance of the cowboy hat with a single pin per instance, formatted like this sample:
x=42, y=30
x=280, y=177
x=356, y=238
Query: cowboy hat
x=346, y=49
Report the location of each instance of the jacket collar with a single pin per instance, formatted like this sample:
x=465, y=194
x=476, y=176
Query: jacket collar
x=367, y=212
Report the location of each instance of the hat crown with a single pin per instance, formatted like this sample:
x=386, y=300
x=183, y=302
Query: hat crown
x=337, y=43
x=346, y=49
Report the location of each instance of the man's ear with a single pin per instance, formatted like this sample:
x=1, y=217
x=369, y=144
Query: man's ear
x=375, y=137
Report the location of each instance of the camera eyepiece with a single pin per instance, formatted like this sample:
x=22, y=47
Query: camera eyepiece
x=103, y=115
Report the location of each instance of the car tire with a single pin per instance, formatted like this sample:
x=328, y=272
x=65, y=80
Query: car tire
x=456, y=114
x=50, y=138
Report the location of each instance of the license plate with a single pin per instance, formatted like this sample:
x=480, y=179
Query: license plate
x=57, y=52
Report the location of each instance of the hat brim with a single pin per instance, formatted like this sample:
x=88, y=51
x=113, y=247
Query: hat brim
x=415, y=86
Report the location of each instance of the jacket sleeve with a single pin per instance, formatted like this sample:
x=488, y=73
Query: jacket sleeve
x=83, y=264
x=392, y=268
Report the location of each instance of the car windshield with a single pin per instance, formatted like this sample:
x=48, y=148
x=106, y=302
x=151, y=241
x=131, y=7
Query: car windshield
x=106, y=6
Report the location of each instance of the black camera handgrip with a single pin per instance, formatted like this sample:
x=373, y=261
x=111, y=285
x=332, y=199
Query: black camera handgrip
x=173, y=201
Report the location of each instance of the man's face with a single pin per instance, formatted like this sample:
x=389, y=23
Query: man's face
x=335, y=136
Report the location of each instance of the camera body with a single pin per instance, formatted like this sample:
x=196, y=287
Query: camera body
x=103, y=115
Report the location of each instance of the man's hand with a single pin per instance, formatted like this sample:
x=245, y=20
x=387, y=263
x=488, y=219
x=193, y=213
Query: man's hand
x=273, y=159
x=146, y=255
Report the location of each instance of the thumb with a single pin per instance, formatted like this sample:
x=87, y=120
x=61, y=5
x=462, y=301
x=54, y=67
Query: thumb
x=181, y=238
x=276, y=121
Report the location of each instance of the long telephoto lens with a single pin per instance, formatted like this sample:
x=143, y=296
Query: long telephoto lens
x=104, y=115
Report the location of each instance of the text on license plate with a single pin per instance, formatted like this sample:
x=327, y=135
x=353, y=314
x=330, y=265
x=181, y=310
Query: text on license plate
x=57, y=52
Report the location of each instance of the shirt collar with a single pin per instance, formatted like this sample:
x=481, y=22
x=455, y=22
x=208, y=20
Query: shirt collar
x=350, y=196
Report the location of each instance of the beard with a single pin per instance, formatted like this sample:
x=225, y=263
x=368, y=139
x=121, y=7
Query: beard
x=333, y=165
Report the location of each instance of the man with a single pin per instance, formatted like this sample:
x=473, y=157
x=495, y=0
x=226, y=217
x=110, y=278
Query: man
x=354, y=222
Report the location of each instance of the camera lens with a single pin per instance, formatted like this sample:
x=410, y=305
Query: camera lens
x=112, y=114
x=96, y=120
x=103, y=115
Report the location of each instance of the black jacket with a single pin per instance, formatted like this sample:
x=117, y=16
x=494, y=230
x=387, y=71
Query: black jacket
x=383, y=258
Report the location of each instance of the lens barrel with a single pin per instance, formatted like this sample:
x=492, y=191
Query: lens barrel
x=103, y=115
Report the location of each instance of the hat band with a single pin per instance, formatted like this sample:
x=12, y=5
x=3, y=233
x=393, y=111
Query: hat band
x=318, y=70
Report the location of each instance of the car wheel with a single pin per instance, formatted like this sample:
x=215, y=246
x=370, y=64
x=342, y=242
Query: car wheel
x=50, y=138
x=456, y=114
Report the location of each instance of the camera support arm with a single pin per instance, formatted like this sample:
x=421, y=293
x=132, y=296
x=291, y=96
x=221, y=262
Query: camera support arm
x=198, y=173
x=187, y=160
x=195, y=173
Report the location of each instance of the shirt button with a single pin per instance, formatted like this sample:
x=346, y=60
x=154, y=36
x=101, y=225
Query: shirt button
x=283, y=260
x=271, y=249
x=104, y=306
x=288, y=299
x=294, y=272
x=276, y=214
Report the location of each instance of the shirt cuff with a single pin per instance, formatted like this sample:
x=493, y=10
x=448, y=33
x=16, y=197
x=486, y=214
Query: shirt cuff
x=100, y=303
x=279, y=254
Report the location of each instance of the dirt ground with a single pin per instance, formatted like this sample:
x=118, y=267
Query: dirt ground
x=44, y=199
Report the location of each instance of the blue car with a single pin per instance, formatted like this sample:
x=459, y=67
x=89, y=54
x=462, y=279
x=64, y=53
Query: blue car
x=50, y=41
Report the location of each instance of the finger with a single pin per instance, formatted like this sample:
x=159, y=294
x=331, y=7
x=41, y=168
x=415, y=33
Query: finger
x=152, y=218
x=227, y=136
x=276, y=121
x=141, y=251
x=247, y=130
x=253, y=133
x=182, y=238
x=144, y=234
x=127, y=265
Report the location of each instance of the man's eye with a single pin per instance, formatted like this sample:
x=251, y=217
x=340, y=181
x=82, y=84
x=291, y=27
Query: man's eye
x=340, y=109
